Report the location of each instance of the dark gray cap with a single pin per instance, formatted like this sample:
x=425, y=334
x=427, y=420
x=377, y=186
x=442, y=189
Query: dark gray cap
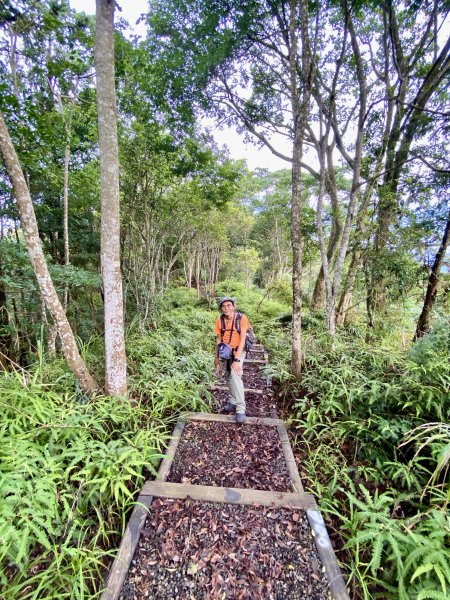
x=227, y=299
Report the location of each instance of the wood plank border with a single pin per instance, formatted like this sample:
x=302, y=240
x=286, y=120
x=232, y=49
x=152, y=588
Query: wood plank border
x=289, y=459
x=230, y=419
x=327, y=556
x=316, y=522
x=121, y=564
x=226, y=495
x=255, y=361
x=246, y=390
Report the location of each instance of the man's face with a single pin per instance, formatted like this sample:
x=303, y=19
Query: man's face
x=227, y=308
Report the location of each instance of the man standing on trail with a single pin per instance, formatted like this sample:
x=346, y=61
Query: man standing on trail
x=231, y=331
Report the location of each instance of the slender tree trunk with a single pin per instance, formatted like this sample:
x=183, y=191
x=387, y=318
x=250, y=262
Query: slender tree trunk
x=357, y=254
x=336, y=284
x=331, y=321
x=116, y=368
x=6, y=340
x=189, y=269
x=31, y=235
x=66, y=205
x=300, y=115
x=197, y=276
x=66, y=218
x=319, y=293
x=423, y=324
x=347, y=293
x=332, y=286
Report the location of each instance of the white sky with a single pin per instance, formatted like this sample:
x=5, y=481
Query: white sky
x=131, y=11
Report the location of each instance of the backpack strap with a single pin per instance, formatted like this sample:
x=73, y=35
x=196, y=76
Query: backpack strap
x=222, y=324
x=238, y=322
x=223, y=327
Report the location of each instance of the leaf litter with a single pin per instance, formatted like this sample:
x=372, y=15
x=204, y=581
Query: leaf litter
x=257, y=405
x=192, y=550
x=230, y=455
x=195, y=550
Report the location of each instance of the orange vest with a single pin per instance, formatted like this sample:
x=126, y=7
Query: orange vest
x=231, y=338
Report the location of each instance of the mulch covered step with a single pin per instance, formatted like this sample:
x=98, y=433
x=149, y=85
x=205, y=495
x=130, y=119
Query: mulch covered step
x=224, y=454
x=253, y=378
x=258, y=403
x=256, y=354
x=196, y=550
x=227, y=516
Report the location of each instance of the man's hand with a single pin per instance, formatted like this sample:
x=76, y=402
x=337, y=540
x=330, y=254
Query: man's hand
x=217, y=365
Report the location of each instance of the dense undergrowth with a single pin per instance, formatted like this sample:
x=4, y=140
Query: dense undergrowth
x=71, y=467
x=369, y=423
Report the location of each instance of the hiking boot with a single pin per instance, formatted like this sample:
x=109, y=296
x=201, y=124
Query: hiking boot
x=240, y=418
x=229, y=407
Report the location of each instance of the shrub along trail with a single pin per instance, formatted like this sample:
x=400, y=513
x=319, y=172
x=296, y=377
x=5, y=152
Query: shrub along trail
x=194, y=549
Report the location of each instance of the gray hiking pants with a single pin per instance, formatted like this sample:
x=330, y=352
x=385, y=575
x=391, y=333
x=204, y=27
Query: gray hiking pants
x=236, y=386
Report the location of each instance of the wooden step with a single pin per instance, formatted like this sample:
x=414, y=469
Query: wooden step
x=209, y=493
x=225, y=388
x=214, y=417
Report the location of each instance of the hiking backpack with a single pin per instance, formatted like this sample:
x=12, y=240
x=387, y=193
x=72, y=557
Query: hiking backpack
x=249, y=338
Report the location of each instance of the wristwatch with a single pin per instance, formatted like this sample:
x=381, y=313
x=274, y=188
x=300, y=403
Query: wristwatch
x=236, y=360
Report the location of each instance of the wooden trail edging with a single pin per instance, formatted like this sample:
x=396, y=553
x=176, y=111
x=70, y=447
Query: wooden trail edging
x=121, y=563
x=227, y=495
x=242, y=496
x=224, y=388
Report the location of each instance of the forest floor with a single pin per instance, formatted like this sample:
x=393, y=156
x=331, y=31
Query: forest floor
x=192, y=549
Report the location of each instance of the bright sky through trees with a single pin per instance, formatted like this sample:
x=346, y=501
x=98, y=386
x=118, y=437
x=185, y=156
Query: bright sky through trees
x=255, y=157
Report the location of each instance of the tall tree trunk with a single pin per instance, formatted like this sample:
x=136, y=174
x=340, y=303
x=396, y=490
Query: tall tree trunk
x=31, y=235
x=333, y=286
x=347, y=293
x=300, y=112
x=402, y=136
x=423, y=324
x=356, y=161
x=6, y=340
x=66, y=219
x=66, y=205
x=198, y=273
x=115, y=368
x=357, y=254
x=319, y=294
x=331, y=321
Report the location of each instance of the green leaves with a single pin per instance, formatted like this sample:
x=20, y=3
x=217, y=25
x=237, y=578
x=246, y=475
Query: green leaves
x=70, y=469
x=66, y=470
x=409, y=551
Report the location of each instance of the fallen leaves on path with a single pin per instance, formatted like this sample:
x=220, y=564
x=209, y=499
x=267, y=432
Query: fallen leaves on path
x=212, y=551
x=230, y=455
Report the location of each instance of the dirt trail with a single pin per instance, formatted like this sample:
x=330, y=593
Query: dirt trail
x=232, y=521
